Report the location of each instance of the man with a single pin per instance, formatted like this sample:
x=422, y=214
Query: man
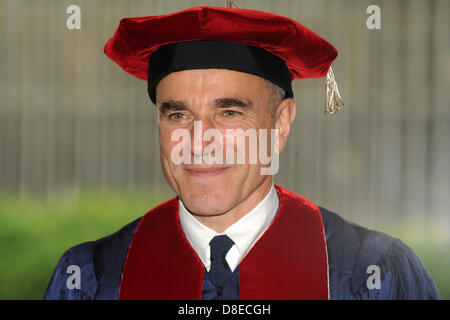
x=216, y=73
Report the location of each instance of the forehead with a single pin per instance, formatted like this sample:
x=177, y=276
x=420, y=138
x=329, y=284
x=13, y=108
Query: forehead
x=211, y=84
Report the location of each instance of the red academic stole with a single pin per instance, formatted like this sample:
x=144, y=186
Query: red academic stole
x=288, y=262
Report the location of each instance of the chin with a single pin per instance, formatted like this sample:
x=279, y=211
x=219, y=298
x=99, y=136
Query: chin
x=207, y=202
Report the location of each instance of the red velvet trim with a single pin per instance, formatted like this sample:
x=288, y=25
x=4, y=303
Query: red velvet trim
x=288, y=262
x=161, y=264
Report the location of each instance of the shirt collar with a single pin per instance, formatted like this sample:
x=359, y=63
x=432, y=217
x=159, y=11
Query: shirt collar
x=244, y=232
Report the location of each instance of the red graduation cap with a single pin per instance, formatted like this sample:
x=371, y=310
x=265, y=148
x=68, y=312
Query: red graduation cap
x=137, y=41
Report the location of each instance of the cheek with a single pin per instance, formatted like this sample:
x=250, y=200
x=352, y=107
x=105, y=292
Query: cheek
x=246, y=142
x=166, y=143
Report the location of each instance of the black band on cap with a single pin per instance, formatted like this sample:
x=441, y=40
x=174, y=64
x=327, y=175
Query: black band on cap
x=205, y=54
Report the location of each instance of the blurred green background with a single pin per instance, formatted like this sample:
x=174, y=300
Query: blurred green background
x=35, y=231
x=79, y=148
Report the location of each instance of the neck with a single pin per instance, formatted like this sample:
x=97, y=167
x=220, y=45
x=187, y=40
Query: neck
x=220, y=223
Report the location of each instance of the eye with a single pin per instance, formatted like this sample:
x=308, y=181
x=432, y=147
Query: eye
x=231, y=113
x=176, y=116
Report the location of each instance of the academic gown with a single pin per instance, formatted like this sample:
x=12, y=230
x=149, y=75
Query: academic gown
x=350, y=250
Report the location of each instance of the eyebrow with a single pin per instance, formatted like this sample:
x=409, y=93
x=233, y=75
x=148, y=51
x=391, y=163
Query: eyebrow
x=172, y=105
x=175, y=105
x=232, y=102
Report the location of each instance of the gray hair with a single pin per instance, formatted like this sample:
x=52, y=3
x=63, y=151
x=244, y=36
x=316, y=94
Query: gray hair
x=276, y=94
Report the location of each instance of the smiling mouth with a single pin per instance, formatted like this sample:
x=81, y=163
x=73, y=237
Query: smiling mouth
x=205, y=171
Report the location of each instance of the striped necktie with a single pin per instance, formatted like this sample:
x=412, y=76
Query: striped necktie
x=220, y=270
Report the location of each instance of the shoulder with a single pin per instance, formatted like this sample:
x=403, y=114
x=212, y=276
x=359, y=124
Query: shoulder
x=357, y=256
x=96, y=265
x=74, y=267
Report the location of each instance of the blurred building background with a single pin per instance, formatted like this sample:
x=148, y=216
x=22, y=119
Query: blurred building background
x=71, y=120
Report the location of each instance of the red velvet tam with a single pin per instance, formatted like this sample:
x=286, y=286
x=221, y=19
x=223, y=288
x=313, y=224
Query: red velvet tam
x=303, y=54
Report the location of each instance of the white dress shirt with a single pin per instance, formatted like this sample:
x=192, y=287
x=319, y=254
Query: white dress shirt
x=244, y=232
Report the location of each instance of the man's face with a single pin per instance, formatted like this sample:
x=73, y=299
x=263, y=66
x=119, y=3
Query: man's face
x=219, y=99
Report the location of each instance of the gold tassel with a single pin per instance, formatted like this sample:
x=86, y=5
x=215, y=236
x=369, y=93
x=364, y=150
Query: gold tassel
x=333, y=100
x=232, y=4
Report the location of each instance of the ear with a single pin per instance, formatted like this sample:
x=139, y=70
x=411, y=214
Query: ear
x=284, y=117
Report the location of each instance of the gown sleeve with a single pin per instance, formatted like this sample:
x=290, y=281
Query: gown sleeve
x=402, y=275
x=353, y=253
x=100, y=263
x=79, y=256
x=405, y=277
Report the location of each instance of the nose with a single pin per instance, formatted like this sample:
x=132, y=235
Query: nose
x=201, y=124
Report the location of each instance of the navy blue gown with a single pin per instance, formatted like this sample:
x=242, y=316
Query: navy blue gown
x=351, y=249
